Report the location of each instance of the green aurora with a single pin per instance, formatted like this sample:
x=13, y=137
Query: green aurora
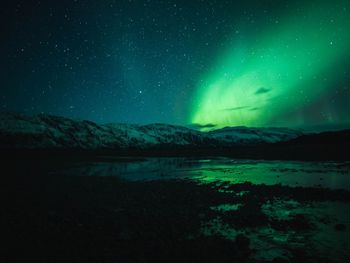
x=287, y=67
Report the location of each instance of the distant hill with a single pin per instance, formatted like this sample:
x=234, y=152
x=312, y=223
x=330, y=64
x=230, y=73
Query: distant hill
x=47, y=132
x=323, y=138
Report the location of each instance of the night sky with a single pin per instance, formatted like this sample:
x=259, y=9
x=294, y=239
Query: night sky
x=205, y=62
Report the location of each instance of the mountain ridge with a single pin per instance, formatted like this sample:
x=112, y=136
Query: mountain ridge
x=50, y=131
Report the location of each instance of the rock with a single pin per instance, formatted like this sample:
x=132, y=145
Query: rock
x=340, y=227
x=242, y=241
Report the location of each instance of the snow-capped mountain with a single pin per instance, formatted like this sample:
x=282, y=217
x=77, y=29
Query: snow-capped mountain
x=248, y=136
x=47, y=131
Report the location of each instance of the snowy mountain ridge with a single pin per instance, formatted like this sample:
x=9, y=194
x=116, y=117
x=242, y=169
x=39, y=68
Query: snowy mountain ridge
x=48, y=131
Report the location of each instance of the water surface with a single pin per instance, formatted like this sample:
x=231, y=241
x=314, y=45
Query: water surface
x=333, y=175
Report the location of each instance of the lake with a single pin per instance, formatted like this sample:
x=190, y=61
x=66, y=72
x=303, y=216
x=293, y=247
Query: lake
x=334, y=175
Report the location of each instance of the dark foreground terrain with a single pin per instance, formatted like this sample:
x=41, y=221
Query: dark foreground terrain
x=62, y=218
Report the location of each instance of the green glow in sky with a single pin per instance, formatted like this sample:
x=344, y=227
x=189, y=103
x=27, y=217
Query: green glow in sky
x=290, y=64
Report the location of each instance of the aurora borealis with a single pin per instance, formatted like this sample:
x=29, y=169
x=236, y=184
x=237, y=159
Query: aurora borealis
x=287, y=68
x=205, y=63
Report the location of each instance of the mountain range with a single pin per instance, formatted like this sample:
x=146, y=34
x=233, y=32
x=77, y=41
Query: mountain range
x=53, y=132
x=30, y=136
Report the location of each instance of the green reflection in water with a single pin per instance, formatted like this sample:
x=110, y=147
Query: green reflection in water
x=306, y=174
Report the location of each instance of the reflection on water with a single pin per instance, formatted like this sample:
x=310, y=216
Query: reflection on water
x=307, y=174
x=334, y=175
x=135, y=169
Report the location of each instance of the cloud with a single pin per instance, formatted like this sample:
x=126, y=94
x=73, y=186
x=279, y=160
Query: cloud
x=236, y=108
x=262, y=90
x=254, y=109
x=202, y=126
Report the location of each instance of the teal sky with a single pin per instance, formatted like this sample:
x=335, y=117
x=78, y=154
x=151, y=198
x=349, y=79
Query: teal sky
x=290, y=73
x=211, y=63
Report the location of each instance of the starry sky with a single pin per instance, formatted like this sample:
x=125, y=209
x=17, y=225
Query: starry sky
x=209, y=63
